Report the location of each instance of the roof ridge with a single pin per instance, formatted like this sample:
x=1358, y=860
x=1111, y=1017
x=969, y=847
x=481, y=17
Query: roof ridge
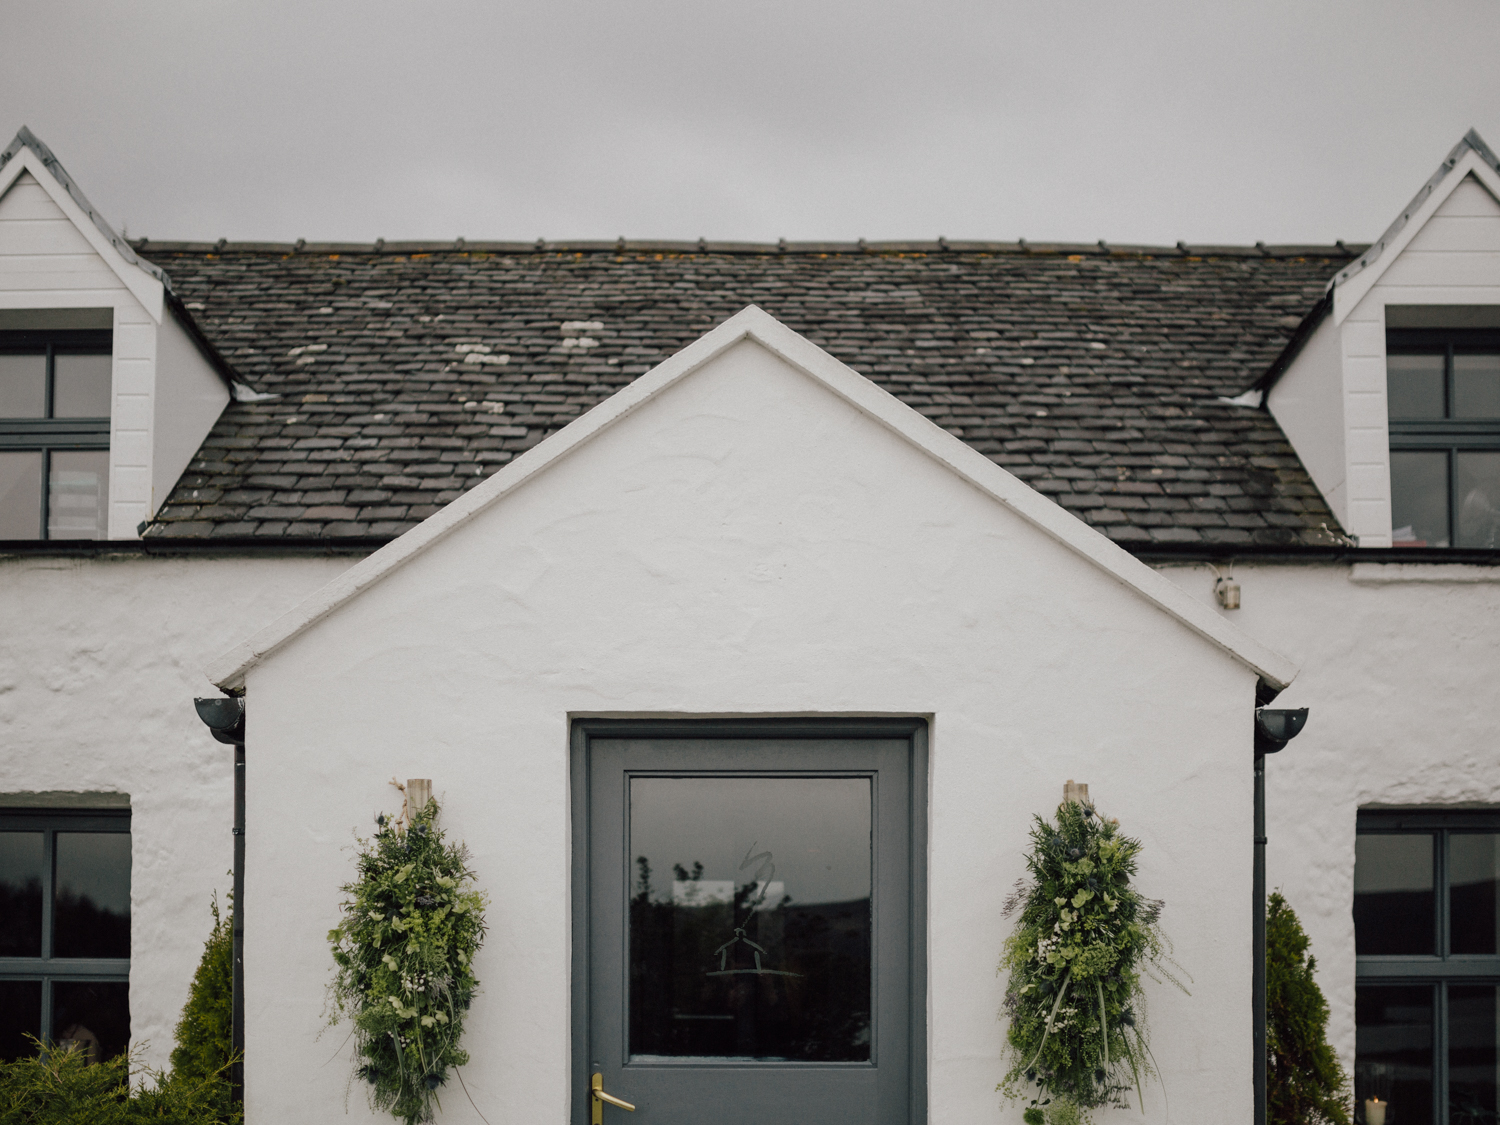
x=25, y=138
x=620, y=247
x=1469, y=142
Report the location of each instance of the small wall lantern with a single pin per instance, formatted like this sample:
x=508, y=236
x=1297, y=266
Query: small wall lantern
x=1227, y=590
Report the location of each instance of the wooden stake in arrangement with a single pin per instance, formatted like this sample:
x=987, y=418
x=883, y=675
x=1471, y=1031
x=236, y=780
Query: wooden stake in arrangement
x=419, y=792
x=1072, y=791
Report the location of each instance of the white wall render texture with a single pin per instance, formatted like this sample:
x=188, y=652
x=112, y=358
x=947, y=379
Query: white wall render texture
x=1398, y=667
x=746, y=543
x=98, y=671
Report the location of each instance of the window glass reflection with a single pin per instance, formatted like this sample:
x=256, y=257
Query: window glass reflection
x=1473, y=1019
x=20, y=1016
x=1415, y=385
x=20, y=894
x=1394, y=904
x=1476, y=386
x=1476, y=480
x=92, y=1017
x=750, y=925
x=1419, y=498
x=1473, y=878
x=91, y=915
x=1393, y=1046
x=23, y=385
x=80, y=386
x=20, y=495
x=78, y=494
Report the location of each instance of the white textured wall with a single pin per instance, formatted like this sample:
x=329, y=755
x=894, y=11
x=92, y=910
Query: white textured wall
x=98, y=670
x=746, y=543
x=1398, y=667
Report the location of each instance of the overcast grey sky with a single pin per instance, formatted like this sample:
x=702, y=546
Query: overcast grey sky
x=1210, y=120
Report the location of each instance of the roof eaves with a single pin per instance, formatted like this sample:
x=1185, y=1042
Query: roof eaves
x=25, y=138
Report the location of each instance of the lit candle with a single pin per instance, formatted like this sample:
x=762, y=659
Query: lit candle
x=1375, y=1111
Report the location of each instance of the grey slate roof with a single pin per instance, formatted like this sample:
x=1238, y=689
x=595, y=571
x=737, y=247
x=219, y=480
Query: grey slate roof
x=408, y=373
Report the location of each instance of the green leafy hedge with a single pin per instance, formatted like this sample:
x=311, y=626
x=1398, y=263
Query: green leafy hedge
x=1085, y=938
x=205, y=1033
x=405, y=962
x=63, y=1088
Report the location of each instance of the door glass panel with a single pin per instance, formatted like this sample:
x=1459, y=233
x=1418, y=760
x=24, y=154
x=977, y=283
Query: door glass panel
x=20, y=495
x=23, y=385
x=1473, y=878
x=750, y=922
x=1473, y=1019
x=1394, y=905
x=1393, y=1051
x=20, y=1016
x=1419, y=498
x=1476, y=478
x=91, y=1016
x=20, y=894
x=1476, y=386
x=80, y=386
x=78, y=494
x=92, y=913
x=1414, y=385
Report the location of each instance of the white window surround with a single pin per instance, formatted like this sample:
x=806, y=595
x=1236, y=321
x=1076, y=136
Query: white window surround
x=1442, y=255
x=56, y=252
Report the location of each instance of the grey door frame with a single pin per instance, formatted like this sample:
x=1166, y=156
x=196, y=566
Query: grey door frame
x=584, y=729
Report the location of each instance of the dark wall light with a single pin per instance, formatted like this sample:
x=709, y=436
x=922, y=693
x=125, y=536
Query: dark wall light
x=225, y=718
x=1273, y=730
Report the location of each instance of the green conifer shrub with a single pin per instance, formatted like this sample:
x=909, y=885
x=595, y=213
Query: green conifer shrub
x=1305, y=1083
x=205, y=1033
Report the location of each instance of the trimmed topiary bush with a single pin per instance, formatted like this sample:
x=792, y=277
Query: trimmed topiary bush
x=1305, y=1084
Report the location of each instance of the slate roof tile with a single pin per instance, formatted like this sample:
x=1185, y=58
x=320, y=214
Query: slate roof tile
x=404, y=378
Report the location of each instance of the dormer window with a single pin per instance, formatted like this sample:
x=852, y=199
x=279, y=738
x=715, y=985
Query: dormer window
x=1443, y=390
x=54, y=433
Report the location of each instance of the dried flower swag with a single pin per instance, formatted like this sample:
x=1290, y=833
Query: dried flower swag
x=1084, y=939
x=405, y=955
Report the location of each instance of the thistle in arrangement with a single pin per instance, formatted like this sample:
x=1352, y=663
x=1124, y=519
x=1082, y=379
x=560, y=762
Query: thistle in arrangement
x=1084, y=939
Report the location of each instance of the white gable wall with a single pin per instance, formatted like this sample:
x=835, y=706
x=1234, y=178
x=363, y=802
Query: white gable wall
x=744, y=543
x=1309, y=405
x=165, y=395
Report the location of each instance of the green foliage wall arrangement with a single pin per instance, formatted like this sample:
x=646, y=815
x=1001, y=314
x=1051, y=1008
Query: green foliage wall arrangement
x=404, y=951
x=1083, y=942
x=1305, y=1083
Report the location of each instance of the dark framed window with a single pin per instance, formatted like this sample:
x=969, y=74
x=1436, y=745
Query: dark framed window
x=65, y=930
x=1427, y=945
x=54, y=433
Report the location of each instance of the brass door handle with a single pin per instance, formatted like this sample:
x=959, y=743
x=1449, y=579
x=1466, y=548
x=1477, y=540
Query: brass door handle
x=597, y=1098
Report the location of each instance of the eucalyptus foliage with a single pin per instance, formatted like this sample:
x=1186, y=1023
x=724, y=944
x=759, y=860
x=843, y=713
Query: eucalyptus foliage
x=1083, y=942
x=405, y=955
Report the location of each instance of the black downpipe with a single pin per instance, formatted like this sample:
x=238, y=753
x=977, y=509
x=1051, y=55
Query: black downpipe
x=225, y=718
x=1273, y=730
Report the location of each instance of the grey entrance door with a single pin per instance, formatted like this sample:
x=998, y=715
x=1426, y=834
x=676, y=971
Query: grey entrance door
x=747, y=935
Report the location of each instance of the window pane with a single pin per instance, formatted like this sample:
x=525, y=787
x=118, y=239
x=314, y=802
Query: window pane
x=20, y=495
x=1473, y=1017
x=92, y=1016
x=78, y=494
x=1476, y=476
x=20, y=894
x=91, y=917
x=1419, y=499
x=1474, y=907
x=1393, y=900
x=23, y=386
x=80, y=386
x=1414, y=385
x=1393, y=1051
x=20, y=1016
x=1476, y=386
